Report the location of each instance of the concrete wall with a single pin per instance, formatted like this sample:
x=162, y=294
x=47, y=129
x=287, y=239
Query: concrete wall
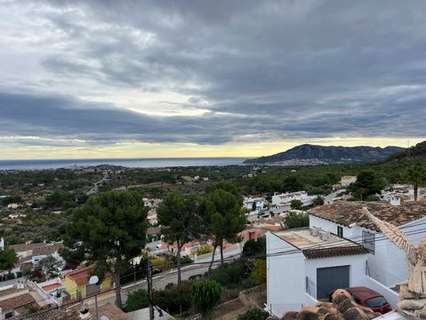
x=388, y=264
x=330, y=226
x=391, y=296
x=285, y=277
x=357, y=265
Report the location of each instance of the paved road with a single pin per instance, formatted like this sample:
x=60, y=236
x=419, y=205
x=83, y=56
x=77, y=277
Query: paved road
x=160, y=280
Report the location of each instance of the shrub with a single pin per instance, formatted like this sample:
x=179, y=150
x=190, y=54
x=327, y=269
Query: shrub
x=258, y=275
x=175, y=299
x=205, y=248
x=137, y=300
x=254, y=314
x=232, y=275
x=206, y=295
x=254, y=248
x=297, y=220
x=296, y=204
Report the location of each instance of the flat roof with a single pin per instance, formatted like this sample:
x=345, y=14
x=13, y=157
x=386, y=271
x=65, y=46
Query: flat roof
x=315, y=243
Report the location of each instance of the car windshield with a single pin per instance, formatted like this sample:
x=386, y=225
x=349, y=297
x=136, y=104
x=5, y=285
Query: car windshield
x=376, y=302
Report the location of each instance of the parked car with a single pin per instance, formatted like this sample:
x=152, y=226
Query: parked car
x=370, y=299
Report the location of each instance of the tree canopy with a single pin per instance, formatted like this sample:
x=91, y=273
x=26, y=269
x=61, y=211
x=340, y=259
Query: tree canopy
x=223, y=217
x=367, y=184
x=180, y=221
x=111, y=227
x=8, y=259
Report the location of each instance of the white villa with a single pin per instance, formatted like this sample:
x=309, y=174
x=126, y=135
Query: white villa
x=340, y=249
x=283, y=200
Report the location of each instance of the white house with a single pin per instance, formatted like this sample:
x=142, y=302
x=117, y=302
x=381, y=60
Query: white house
x=386, y=263
x=254, y=203
x=283, y=200
x=307, y=264
x=32, y=253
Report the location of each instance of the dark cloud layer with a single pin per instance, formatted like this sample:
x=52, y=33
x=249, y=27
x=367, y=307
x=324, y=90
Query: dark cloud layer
x=262, y=69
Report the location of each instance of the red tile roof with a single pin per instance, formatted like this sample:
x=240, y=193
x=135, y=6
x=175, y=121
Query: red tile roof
x=51, y=287
x=17, y=302
x=349, y=212
x=80, y=276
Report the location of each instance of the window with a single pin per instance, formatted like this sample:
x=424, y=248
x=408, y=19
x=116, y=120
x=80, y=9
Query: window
x=369, y=241
x=340, y=231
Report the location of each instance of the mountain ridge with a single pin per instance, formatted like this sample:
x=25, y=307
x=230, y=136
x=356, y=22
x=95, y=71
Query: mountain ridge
x=316, y=154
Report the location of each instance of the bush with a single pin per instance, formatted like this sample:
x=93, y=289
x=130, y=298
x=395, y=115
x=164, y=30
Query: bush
x=254, y=314
x=175, y=299
x=296, y=204
x=137, y=300
x=206, y=295
x=297, y=220
x=258, y=275
x=205, y=248
x=254, y=248
x=232, y=275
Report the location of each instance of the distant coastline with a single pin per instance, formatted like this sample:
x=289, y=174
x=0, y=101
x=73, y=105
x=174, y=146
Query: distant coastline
x=130, y=163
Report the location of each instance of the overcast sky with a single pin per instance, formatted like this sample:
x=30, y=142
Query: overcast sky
x=110, y=78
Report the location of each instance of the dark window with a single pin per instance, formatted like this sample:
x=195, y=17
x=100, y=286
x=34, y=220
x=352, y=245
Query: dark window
x=369, y=241
x=340, y=231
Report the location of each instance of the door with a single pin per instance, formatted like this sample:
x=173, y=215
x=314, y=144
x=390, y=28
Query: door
x=329, y=279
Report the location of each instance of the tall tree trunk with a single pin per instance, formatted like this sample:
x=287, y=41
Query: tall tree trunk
x=117, y=282
x=221, y=253
x=179, y=272
x=213, y=254
x=416, y=190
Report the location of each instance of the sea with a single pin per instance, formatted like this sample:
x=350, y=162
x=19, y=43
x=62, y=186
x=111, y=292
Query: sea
x=130, y=163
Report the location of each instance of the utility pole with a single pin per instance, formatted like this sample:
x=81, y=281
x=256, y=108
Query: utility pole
x=149, y=282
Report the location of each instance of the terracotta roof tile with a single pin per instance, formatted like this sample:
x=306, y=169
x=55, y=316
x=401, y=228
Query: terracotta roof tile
x=111, y=311
x=334, y=252
x=347, y=213
x=16, y=302
x=80, y=276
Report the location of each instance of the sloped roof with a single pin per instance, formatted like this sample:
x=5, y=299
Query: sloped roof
x=347, y=213
x=80, y=276
x=38, y=248
x=17, y=302
x=111, y=311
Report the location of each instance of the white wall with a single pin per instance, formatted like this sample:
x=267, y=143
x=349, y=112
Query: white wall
x=388, y=264
x=329, y=226
x=391, y=296
x=357, y=265
x=285, y=277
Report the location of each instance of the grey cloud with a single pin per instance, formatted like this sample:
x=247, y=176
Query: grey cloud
x=286, y=69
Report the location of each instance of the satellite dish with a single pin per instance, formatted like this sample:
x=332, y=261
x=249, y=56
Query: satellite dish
x=93, y=280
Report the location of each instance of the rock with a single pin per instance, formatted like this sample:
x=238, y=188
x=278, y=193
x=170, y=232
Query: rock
x=421, y=313
x=412, y=304
x=332, y=316
x=404, y=293
x=291, y=315
x=308, y=315
x=355, y=314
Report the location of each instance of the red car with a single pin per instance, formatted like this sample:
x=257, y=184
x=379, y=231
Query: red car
x=370, y=299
